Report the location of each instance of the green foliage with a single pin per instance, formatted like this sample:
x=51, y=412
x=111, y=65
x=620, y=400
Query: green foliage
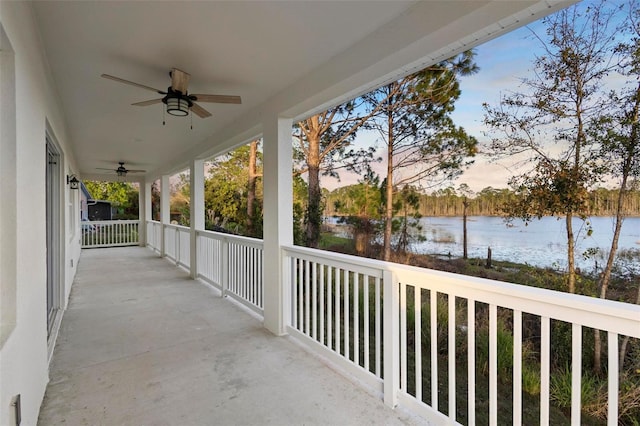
x=118, y=193
x=122, y=195
x=487, y=202
x=324, y=147
x=406, y=222
x=300, y=194
x=530, y=362
x=226, y=192
x=530, y=378
x=504, y=348
x=155, y=200
x=335, y=243
x=361, y=200
x=560, y=388
x=555, y=188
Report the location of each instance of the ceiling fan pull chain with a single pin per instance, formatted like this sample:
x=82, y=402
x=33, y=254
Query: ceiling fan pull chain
x=191, y=115
x=163, y=121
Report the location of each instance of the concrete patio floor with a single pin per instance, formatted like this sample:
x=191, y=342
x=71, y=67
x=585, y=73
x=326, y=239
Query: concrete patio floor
x=142, y=344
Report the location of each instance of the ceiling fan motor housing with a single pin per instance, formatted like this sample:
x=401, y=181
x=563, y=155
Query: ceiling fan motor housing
x=177, y=103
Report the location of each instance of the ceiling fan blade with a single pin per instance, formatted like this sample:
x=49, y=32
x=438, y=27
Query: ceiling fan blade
x=199, y=111
x=146, y=103
x=219, y=99
x=179, y=80
x=136, y=171
x=102, y=168
x=131, y=83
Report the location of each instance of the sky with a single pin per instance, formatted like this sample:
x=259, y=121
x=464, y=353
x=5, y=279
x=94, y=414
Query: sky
x=503, y=63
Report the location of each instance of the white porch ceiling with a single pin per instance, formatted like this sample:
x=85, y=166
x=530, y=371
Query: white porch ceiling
x=282, y=57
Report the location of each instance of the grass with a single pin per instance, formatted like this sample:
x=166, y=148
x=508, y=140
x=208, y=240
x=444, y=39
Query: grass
x=332, y=242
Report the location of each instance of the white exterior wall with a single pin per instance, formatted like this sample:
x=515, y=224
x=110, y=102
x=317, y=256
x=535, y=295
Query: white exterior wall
x=24, y=349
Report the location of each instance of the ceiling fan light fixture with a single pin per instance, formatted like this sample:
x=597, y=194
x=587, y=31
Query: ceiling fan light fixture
x=177, y=106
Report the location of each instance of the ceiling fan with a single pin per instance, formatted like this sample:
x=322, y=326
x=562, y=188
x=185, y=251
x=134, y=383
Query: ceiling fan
x=177, y=99
x=121, y=170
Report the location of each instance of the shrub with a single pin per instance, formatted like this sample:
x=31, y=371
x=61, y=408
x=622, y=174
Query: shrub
x=591, y=388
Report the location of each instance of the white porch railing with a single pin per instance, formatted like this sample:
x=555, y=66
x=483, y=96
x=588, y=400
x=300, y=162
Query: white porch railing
x=417, y=335
x=337, y=305
x=233, y=264
x=177, y=244
x=154, y=236
x=110, y=233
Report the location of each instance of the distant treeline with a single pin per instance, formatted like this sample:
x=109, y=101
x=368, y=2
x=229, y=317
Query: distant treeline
x=488, y=202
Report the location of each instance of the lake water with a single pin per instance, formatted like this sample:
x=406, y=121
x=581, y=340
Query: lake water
x=540, y=243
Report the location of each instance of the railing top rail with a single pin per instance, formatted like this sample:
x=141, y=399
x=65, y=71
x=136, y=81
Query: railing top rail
x=178, y=227
x=255, y=242
x=109, y=222
x=362, y=262
x=467, y=286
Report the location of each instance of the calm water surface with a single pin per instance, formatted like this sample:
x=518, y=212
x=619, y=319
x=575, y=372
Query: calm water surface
x=540, y=243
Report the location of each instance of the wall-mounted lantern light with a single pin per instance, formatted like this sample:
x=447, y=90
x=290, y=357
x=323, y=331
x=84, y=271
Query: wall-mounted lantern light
x=73, y=182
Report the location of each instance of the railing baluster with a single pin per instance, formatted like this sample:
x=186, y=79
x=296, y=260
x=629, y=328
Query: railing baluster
x=452, y=357
x=471, y=361
x=347, y=344
x=232, y=268
x=576, y=373
x=300, y=292
x=417, y=330
x=338, y=325
x=322, y=306
x=330, y=303
x=177, y=246
x=237, y=250
x=493, y=364
x=545, y=347
x=256, y=277
x=249, y=274
x=378, y=329
x=294, y=293
x=244, y=289
x=243, y=272
x=517, y=367
x=224, y=266
x=433, y=322
x=314, y=300
x=252, y=273
x=246, y=274
x=403, y=336
x=356, y=319
x=367, y=318
x=307, y=322
x=613, y=373
x=237, y=271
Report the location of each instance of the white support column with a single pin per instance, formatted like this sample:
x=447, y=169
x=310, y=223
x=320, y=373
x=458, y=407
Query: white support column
x=165, y=213
x=196, y=211
x=278, y=219
x=144, y=208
